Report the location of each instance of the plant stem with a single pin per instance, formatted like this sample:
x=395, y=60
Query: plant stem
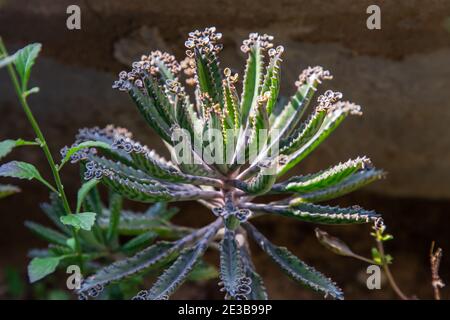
x=388, y=272
x=43, y=144
x=436, y=281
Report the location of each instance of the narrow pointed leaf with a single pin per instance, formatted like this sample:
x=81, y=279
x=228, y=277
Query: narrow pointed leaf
x=318, y=214
x=41, y=267
x=177, y=273
x=257, y=288
x=349, y=184
x=335, y=115
x=84, y=191
x=231, y=271
x=47, y=234
x=324, y=178
x=140, y=262
x=294, y=267
x=139, y=241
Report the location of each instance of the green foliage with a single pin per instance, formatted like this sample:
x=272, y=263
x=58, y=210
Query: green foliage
x=239, y=145
x=231, y=269
x=41, y=267
x=24, y=61
x=22, y=170
x=6, y=146
x=84, y=220
x=294, y=267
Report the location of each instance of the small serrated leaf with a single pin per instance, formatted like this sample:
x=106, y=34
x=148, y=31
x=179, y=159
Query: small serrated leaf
x=20, y=170
x=39, y=268
x=139, y=241
x=6, y=146
x=84, y=220
x=24, y=61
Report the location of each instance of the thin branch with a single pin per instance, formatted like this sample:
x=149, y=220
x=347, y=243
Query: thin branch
x=436, y=281
x=387, y=270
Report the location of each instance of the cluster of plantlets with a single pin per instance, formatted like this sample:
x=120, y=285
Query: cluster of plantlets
x=221, y=122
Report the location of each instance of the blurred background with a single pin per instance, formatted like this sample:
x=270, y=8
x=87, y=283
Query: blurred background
x=400, y=75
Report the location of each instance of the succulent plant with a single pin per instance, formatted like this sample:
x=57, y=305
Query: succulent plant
x=226, y=149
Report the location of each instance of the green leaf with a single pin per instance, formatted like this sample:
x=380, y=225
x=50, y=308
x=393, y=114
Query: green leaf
x=149, y=258
x=47, y=234
x=231, y=271
x=209, y=78
x=335, y=115
x=54, y=210
x=177, y=273
x=7, y=60
x=305, y=133
x=15, y=284
x=203, y=271
x=160, y=211
x=261, y=183
x=115, y=208
x=6, y=146
x=84, y=191
x=349, y=184
x=24, y=61
x=148, y=109
x=144, y=260
x=84, y=145
x=271, y=82
x=252, y=80
x=294, y=267
x=376, y=256
x=7, y=190
x=22, y=170
x=140, y=241
x=39, y=268
x=155, y=166
x=324, y=178
x=258, y=290
x=288, y=118
x=83, y=220
x=318, y=214
x=132, y=223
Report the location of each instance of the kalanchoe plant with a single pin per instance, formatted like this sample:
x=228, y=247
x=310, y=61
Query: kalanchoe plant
x=88, y=236
x=227, y=187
